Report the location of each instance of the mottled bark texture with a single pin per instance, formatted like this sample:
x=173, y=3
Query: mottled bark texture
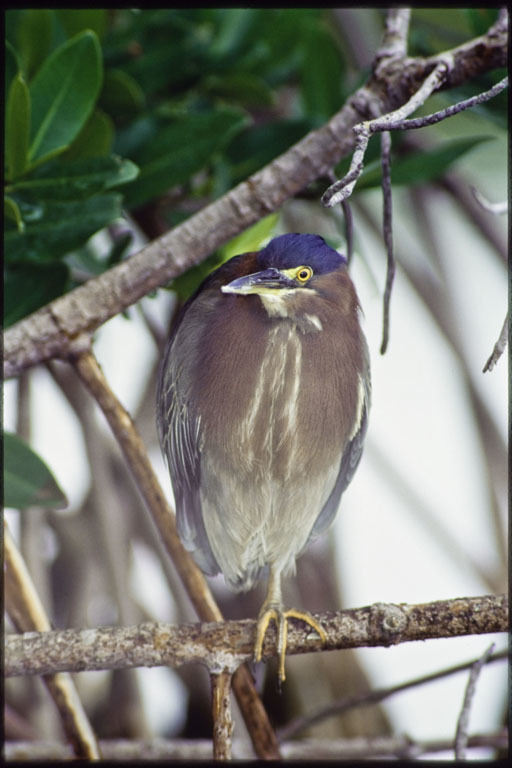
x=223, y=646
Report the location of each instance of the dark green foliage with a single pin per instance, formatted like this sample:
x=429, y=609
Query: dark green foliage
x=109, y=111
x=27, y=480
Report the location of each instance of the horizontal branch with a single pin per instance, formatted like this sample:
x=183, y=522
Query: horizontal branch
x=58, y=329
x=224, y=646
x=401, y=746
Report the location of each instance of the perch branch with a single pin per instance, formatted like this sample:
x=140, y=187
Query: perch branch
x=223, y=646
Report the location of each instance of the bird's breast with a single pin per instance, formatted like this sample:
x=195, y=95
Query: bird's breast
x=268, y=431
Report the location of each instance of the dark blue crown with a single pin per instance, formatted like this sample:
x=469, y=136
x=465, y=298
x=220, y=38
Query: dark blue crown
x=294, y=250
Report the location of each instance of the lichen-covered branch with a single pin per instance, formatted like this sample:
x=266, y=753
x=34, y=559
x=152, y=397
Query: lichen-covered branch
x=223, y=646
x=57, y=330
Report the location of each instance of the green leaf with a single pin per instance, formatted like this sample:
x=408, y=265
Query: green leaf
x=94, y=140
x=188, y=283
x=59, y=180
x=250, y=239
x=52, y=229
x=322, y=75
x=422, y=166
x=27, y=480
x=121, y=94
x=181, y=149
x=28, y=287
x=260, y=144
x=77, y=19
x=17, y=127
x=12, y=212
x=34, y=38
x=12, y=65
x=63, y=95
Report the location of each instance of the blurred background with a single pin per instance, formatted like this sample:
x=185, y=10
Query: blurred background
x=198, y=100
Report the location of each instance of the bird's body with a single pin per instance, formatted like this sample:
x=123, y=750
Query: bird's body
x=263, y=401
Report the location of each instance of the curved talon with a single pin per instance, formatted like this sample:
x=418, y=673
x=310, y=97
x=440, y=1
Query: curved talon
x=281, y=617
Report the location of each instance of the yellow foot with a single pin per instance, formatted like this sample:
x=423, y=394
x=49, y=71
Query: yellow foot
x=281, y=617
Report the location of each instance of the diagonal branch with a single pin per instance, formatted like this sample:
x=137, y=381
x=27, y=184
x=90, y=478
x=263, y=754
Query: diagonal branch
x=28, y=615
x=131, y=444
x=56, y=330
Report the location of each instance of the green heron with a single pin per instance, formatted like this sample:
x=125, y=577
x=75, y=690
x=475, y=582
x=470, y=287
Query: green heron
x=262, y=408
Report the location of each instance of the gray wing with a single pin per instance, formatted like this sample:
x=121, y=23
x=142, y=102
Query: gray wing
x=180, y=438
x=349, y=460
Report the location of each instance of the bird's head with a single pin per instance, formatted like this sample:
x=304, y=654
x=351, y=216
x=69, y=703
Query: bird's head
x=294, y=269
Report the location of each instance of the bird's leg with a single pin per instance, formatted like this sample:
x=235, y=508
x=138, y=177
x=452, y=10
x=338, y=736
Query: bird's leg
x=272, y=608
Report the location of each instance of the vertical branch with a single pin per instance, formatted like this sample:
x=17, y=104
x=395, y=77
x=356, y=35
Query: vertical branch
x=388, y=233
x=28, y=614
x=221, y=711
x=461, y=736
x=262, y=734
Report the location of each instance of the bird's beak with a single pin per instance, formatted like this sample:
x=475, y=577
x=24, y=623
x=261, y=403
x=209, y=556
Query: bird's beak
x=267, y=281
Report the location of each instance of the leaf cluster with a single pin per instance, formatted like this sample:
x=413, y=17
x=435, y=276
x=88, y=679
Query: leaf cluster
x=108, y=111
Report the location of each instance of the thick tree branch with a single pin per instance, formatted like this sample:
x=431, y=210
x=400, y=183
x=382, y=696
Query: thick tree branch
x=223, y=646
x=58, y=329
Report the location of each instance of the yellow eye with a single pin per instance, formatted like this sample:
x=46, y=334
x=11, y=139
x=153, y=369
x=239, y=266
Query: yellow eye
x=304, y=274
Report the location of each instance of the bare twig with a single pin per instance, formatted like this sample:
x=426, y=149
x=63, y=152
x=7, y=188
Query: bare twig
x=223, y=646
x=342, y=189
x=368, y=698
x=349, y=230
x=398, y=124
x=498, y=209
x=27, y=614
x=86, y=365
x=499, y=347
x=221, y=711
x=52, y=331
x=461, y=735
x=388, y=235
x=401, y=747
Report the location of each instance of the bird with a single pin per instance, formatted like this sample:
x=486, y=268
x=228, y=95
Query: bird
x=263, y=398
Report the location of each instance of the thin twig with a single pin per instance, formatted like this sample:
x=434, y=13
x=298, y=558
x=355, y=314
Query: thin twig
x=28, y=614
x=422, y=122
x=349, y=230
x=221, y=712
x=461, y=735
x=388, y=234
x=498, y=209
x=86, y=365
x=499, y=347
x=342, y=189
x=368, y=698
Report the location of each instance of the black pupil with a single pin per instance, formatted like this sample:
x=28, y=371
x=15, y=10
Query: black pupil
x=303, y=275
